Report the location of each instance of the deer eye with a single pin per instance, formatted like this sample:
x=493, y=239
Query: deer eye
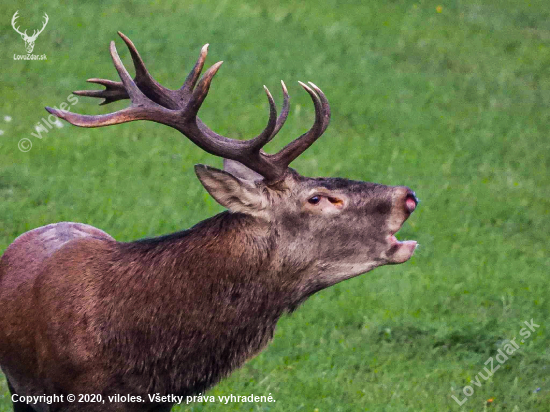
x=314, y=200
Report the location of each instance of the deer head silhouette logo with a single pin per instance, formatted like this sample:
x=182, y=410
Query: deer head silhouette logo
x=29, y=40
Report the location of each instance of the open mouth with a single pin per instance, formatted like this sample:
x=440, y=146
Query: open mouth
x=395, y=242
x=405, y=243
x=401, y=251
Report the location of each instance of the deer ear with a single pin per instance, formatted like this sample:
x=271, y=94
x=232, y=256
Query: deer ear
x=235, y=194
x=239, y=170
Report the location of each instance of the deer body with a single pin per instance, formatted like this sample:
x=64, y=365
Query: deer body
x=153, y=316
x=81, y=313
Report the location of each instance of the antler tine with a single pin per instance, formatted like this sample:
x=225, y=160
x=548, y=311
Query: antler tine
x=136, y=96
x=284, y=111
x=106, y=83
x=200, y=92
x=113, y=91
x=298, y=146
x=141, y=71
x=128, y=114
x=325, y=104
x=147, y=84
x=193, y=76
x=269, y=132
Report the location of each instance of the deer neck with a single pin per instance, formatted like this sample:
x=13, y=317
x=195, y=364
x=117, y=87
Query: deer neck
x=225, y=293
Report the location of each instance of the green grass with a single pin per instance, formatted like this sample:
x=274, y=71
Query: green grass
x=455, y=104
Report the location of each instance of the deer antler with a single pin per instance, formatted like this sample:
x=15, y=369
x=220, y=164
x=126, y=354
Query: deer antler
x=178, y=109
x=13, y=21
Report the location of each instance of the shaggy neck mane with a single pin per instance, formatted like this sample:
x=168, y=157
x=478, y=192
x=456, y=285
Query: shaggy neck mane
x=226, y=305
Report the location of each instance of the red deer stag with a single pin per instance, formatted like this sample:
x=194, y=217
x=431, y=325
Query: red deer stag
x=81, y=313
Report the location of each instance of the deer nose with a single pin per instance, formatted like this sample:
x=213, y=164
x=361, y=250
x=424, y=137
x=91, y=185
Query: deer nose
x=410, y=202
x=408, y=199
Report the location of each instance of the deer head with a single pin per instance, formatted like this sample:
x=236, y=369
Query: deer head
x=29, y=40
x=330, y=227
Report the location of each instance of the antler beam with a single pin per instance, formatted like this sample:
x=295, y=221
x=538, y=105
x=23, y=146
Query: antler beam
x=178, y=109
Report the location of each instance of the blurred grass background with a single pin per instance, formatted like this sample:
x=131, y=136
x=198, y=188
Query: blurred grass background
x=450, y=98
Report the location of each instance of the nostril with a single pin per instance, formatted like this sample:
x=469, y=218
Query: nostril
x=410, y=203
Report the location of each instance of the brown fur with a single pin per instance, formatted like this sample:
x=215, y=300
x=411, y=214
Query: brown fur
x=82, y=313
